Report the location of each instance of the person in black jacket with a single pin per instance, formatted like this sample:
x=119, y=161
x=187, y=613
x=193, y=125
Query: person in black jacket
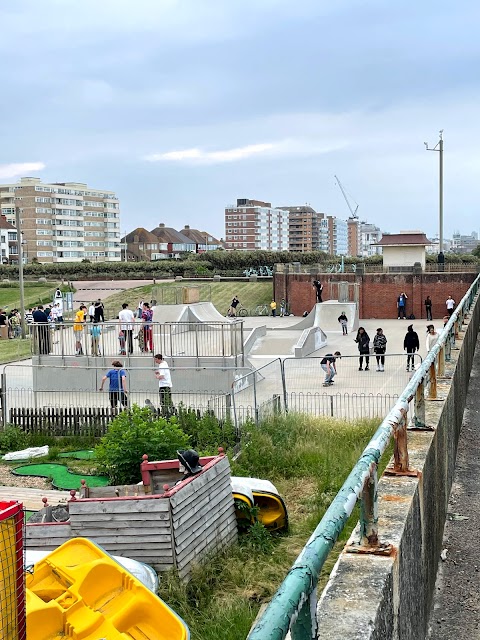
x=411, y=343
x=379, y=347
x=41, y=331
x=363, y=343
x=98, y=312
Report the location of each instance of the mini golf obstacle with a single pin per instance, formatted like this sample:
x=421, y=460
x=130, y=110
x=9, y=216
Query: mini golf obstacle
x=62, y=477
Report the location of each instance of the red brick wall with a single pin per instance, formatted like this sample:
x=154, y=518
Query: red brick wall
x=378, y=292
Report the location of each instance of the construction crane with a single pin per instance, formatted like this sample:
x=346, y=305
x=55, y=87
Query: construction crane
x=353, y=212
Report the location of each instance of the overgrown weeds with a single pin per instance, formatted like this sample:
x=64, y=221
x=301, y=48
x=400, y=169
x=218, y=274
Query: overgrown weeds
x=308, y=459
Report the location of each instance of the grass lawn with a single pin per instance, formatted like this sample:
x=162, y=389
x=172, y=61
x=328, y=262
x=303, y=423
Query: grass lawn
x=16, y=349
x=308, y=459
x=250, y=295
x=10, y=296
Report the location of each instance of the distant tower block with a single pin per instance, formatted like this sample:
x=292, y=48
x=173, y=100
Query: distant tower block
x=343, y=292
x=191, y=295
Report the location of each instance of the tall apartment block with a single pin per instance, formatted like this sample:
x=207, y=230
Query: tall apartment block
x=337, y=236
x=64, y=221
x=253, y=224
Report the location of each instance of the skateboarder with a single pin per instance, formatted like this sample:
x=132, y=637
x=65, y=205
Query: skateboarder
x=330, y=368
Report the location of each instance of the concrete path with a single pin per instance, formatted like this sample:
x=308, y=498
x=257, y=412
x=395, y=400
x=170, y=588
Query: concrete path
x=456, y=607
x=32, y=498
x=89, y=291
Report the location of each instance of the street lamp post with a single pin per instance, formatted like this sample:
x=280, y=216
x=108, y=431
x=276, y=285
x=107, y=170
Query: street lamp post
x=439, y=147
x=20, y=271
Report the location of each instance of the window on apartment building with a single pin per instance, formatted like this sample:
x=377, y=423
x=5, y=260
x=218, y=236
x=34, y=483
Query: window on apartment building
x=43, y=220
x=45, y=254
x=44, y=232
x=42, y=199
x=88, y=203
x=42, y=210
x=44, y=243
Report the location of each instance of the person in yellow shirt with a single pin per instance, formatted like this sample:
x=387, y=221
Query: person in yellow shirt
x=78, y=324
x=273, y=307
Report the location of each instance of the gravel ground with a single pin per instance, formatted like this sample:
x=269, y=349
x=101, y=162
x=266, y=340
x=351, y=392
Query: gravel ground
x=456, y=606
x=7, y=479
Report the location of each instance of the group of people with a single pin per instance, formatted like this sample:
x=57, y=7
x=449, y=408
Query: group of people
x=378, y=348
x=11, y=321
x=10, y=324
x=127, y=322
x=402, y=306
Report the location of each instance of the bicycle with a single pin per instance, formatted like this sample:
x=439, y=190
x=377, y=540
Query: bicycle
x=242, y=312
x=261, y=310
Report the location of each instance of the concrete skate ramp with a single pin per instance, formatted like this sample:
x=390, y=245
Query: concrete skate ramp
x=205, y=312
x=325, y=315
x=198, y=312
x=170, y=313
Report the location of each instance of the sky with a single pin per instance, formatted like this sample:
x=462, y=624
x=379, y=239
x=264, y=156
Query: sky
x=183, y=106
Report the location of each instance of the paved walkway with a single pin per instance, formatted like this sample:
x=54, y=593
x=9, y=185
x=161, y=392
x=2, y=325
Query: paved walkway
x=32, y=498
x=456, y=607
x=91, y=290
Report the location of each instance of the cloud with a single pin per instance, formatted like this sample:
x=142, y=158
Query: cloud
x=211, y=157
x=284, y=148
x=19, y=169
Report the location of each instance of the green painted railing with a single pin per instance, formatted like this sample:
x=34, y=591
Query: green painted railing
x=293, y=607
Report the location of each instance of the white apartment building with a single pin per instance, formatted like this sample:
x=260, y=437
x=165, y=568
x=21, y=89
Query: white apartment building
x=8, y=241
x=64, y=221
x=253, y=224
x=370, y=235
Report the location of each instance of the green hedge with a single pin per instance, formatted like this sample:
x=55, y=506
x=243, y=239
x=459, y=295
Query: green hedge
x=226, y=263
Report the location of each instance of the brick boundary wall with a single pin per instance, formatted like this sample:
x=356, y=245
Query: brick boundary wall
x=378, y=291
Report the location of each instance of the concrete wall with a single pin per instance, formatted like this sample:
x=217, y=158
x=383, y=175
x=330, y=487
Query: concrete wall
x=78, y=375
x=383, y=598
x=378, y=291
x=403, y=256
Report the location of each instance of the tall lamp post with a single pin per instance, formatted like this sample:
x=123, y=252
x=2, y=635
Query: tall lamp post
x=20, y=270
x=439, y=147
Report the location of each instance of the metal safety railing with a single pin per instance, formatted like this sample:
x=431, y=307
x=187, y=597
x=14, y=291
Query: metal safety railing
x=293, y=607
x=108, y=339
x=296, y=385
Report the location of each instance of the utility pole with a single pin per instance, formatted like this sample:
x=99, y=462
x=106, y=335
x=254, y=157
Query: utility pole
x=20, y=270
x=439, y=147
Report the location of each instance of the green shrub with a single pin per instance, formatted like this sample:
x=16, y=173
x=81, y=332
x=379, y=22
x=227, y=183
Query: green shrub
x=206, y=432
x=130, y=435
x=12, y=439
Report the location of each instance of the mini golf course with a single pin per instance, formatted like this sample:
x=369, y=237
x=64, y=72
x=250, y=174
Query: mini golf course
x=62, y=477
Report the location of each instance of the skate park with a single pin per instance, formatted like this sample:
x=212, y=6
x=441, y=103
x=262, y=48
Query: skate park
x=221, y=363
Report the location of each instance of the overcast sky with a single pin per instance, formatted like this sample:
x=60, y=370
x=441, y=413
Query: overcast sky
x=182, y=106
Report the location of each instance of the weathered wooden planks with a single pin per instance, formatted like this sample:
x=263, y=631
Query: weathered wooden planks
x=178, y=529
x=203, y=516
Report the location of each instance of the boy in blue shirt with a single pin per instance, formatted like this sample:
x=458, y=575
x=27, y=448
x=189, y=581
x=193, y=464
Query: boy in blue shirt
x=117, y=378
